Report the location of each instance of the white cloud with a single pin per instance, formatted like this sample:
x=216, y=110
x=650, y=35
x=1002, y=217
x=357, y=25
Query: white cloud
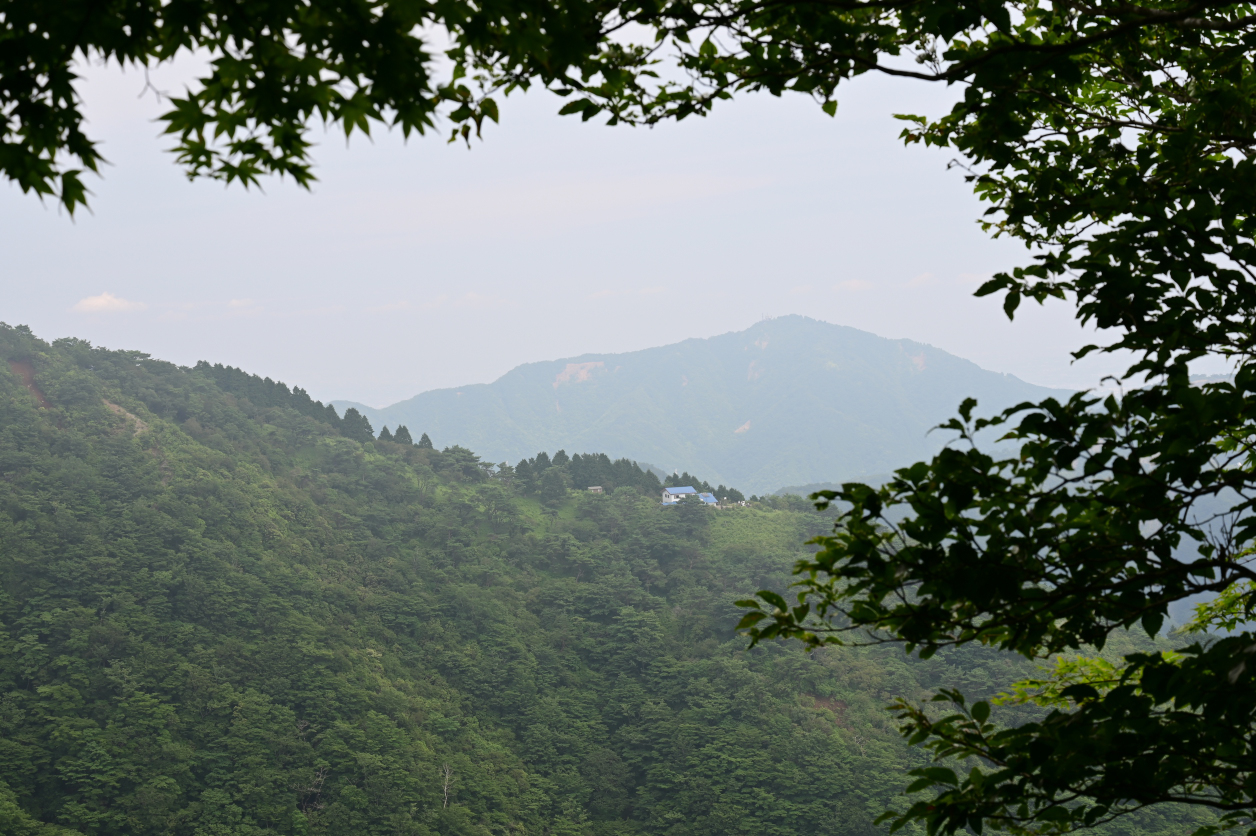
x=107, y=303
x=853, y=284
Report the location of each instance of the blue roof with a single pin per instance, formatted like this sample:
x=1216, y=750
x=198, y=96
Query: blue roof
x=679, y=491
x=708, y=498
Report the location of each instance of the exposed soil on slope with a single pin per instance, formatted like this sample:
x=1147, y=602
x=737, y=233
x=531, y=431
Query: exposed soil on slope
x=24, y=370
x=137, y=424
x=838, y=707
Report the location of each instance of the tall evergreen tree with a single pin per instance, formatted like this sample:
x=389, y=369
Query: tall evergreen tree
x=425, y=443
x=355, y=425
x=402, y=435
x=385, y=435
x=526, y=475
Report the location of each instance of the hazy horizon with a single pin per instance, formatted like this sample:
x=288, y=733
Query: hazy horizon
x=585, y=354
x=422, y=266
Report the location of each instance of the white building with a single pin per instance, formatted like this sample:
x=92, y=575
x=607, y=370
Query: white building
x=674, y=495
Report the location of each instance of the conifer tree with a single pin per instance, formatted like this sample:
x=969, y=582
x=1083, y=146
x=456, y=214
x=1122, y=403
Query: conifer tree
x=425, y=443
x=526, y=476
x=385, y=435
x=355, y=425
x=402, y=435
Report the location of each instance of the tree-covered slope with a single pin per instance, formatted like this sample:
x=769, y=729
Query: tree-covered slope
x=219, y=618
x=789, y=401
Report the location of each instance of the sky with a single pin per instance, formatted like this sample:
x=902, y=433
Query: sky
x=421, y=265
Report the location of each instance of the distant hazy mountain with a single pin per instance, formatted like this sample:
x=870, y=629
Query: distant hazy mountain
x=789, y=401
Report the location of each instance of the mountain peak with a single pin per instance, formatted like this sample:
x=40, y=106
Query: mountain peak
x=789, y=400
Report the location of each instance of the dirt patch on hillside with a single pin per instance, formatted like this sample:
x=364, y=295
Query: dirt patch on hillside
x=137, y=424
x=24, y=370
x=578, y=372
x=836, y=706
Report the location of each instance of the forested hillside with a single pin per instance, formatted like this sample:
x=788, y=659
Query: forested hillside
x=227, y=617
x=788, y=401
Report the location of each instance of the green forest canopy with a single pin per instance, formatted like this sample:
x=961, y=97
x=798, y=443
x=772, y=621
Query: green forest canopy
x=222, y=616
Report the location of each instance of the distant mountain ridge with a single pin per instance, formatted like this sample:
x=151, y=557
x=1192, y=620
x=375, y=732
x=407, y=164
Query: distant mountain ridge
x=788, y=401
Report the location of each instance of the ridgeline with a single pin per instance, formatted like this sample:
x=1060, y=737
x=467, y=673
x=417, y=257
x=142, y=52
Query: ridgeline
x=788, y=401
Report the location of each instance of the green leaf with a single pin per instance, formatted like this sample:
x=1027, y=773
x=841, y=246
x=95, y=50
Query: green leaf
x=1010, y=303
x=1080, y=692
x=773, y=598
x=750, y=619
x=938, y=775
x=489, y=108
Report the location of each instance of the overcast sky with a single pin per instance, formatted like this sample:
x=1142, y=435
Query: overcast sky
x=423, y=265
